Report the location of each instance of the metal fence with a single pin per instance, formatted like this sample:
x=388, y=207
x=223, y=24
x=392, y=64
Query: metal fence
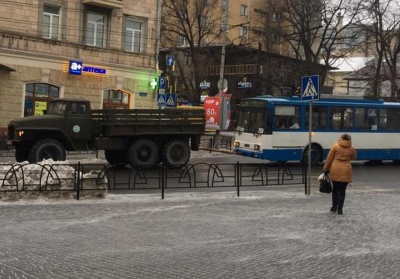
x=216, y=142
x=75, y=180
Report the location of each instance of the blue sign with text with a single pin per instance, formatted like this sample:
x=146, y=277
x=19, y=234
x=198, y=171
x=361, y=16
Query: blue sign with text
x=75, y=67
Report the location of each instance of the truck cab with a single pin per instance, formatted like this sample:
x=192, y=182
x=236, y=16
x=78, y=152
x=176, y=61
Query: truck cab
x=65, y=125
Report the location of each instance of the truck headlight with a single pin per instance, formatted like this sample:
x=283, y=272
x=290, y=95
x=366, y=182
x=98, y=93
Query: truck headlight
x=256, y=147
x=236, y=144
x=20, y=133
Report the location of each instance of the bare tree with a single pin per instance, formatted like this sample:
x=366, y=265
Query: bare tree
x=315, y=29
x=384, y=25
x=188, y=27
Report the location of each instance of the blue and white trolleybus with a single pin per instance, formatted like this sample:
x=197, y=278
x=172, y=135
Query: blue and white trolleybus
x=277, y=128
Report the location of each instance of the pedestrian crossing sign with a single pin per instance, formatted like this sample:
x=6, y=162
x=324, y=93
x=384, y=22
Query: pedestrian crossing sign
x=161, y=99
x=310, y=88
x=170, y=100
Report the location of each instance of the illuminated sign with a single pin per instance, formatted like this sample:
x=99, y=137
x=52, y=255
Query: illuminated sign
x=243, y=84
x=205, y=85
x=94, y=70
x=76, y=67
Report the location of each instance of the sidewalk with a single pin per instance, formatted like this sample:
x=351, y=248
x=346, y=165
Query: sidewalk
x=271, y=233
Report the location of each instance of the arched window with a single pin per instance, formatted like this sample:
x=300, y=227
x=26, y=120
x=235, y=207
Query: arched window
x=38, y=96
x=116, y=99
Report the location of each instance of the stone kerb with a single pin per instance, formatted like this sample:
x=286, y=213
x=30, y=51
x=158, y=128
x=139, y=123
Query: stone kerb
x=49, y=179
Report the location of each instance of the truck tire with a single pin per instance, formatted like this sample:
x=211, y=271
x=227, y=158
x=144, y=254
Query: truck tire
x=47, y=149
x=176, y=154
x=116, y=157
x=21, y=154
x=143, y=153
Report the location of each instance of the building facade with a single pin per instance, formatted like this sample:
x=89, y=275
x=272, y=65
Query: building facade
x=105, y=51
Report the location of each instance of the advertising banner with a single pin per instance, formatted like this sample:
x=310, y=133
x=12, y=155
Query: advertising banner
x=218, y=113
x=212, y=106
x=40, y=107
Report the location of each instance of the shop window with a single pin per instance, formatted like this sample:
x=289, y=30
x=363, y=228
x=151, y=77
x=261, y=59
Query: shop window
x=38, y=96
x=116, y=99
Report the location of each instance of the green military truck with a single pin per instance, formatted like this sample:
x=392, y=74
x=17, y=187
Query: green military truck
x=141, y=137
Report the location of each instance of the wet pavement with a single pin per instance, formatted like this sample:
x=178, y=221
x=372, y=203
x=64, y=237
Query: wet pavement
x=271, y=232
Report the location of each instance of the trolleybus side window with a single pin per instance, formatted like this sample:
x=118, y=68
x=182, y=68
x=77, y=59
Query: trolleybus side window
x=341, y=118
x=287, y=117
x=366, y=119
x=390, y=119
x=319, y=117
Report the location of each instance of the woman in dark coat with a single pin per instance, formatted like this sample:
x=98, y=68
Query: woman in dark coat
x=338, y=165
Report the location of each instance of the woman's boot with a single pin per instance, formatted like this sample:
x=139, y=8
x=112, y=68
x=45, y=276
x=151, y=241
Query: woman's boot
x=340, y=202
x=334, y=202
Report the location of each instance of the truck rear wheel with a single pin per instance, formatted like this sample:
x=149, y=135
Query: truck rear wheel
x=143, y=153
x=176, y=154
x=116, y=156
x=47, y=149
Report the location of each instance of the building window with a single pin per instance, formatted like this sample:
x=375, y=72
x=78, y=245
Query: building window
x=204, y=21
x=277, y=16
x=224, y=5
x=134, y=32
x=116, y=99
x=244, y=10
x=96, y=29
x=204, y=41
x=51, y=22
x=242, y=31
x=276, y=36
x=38, y=96
x=182, y=41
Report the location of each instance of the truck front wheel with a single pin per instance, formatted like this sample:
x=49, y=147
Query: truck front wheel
x=143, y=153
x=176, y=154
x=47, y=149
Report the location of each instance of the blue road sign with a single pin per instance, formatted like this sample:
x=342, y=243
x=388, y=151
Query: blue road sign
x=170, y=100
x=162, y=83
x=310, y=88
x=161, y=99
x=170, y=61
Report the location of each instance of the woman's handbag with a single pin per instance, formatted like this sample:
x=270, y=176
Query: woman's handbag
x=325, y=185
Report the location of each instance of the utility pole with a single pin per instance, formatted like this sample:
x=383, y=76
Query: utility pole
x=221, y=82
x=225, y=6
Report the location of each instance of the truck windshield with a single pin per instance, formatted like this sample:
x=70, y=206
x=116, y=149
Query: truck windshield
x=56, y=108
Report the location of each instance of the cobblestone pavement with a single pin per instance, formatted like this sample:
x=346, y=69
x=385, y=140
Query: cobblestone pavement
x=270, y=233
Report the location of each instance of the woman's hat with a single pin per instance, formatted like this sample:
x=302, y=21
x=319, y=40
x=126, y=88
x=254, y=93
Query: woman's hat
x=346, y=137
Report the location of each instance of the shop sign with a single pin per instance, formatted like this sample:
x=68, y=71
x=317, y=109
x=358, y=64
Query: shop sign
x=244, y=84
x=205, y=85
x=76, y=67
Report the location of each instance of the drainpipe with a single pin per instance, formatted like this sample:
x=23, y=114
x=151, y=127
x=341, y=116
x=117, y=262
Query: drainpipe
x=157, y=42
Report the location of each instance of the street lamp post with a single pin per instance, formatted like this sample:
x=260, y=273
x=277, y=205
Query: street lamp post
x=223, y=43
